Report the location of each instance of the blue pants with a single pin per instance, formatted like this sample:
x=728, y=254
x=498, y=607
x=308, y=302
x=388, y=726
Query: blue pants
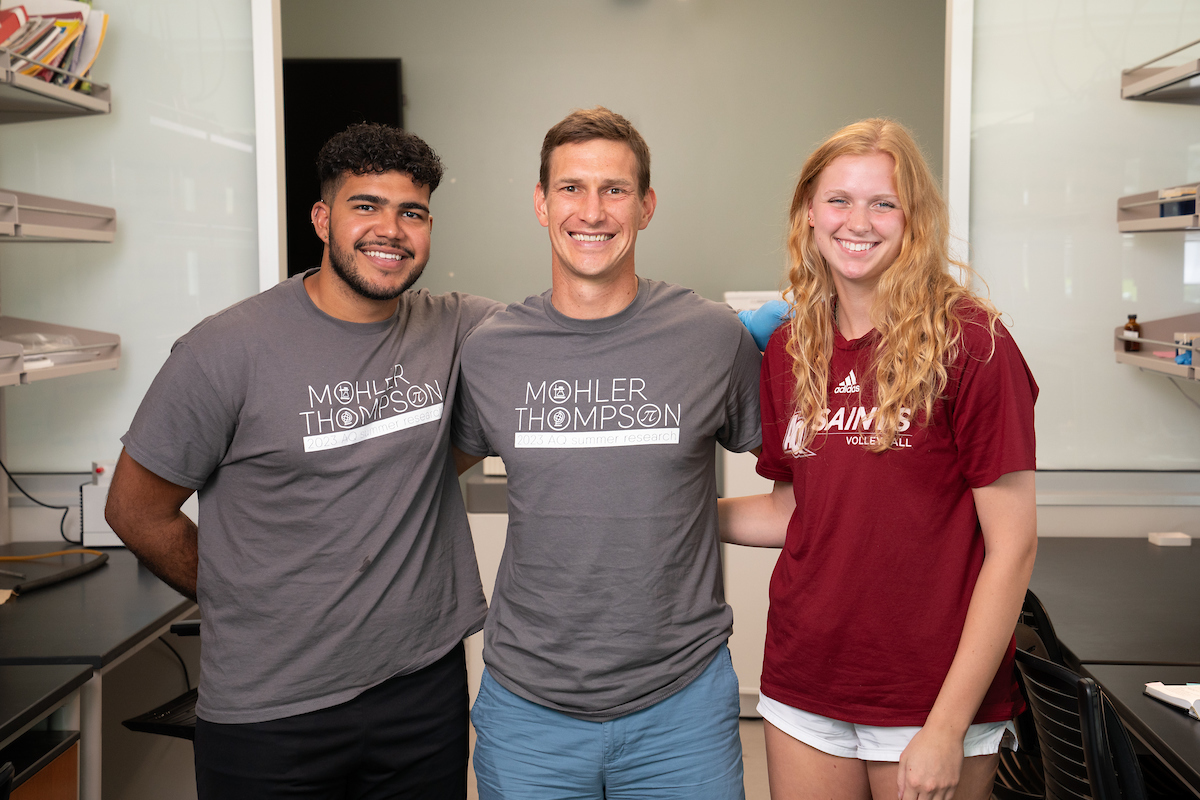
x=686, y=746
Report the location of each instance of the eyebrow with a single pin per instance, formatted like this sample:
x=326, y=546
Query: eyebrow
x=376, y=200
x=881, y=195
x=610, y=182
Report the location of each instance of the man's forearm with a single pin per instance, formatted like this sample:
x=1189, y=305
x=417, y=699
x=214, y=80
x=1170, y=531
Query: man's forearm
x=144, y=510
x=170, y=552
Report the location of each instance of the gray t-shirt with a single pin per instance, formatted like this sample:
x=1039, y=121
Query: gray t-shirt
x=609, y=595
x=334, y=547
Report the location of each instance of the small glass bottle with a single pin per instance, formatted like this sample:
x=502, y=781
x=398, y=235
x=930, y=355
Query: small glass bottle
x=1132, y=332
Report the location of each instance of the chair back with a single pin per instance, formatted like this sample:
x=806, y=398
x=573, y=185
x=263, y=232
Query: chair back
x=1086, y=752
x=1033, y=614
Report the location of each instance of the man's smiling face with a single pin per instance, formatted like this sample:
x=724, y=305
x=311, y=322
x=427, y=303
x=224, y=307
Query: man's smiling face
x=377, y=229
x=592, y=209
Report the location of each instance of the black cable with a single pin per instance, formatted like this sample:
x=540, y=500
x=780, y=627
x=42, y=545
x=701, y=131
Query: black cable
x=63, y=575
x=65, y=509
x=86, y=483
x=187, y=681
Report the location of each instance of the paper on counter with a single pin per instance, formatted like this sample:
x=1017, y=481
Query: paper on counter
x=1181, y=695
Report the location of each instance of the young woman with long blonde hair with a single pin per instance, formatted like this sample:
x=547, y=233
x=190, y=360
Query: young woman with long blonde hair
x=898, y=428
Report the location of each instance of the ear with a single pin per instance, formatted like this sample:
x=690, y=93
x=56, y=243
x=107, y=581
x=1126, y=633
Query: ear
x=539, y=206
x=320, y=220
x=811, y=224
x=649, y=203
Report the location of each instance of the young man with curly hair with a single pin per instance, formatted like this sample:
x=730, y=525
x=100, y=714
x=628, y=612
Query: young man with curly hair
x=333, y=563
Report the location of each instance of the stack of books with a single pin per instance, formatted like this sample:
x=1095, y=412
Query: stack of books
x=55, y=40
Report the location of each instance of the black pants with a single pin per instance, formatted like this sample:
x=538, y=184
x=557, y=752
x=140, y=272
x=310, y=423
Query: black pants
x=405, y=738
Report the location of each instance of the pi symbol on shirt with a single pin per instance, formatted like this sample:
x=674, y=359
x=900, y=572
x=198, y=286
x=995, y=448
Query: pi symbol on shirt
x=418, y=396
x=648, y=415
x=559, y=419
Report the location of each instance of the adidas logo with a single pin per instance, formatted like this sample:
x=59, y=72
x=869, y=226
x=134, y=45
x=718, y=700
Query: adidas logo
x=847, y=386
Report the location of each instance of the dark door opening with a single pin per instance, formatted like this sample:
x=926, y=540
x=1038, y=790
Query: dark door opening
x=321, y=97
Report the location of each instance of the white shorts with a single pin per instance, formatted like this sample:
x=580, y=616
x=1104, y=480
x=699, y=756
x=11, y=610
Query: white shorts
x=872, y=742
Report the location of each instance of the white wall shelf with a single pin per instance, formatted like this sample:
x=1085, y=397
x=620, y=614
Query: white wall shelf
x=26, y=217
x=1142, y=213
x=1178, y=84
x=27, y=99
x=11, y=363
x=1159, y=335
x=88, y=351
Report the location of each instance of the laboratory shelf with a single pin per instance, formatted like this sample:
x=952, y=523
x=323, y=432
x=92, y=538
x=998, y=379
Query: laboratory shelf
x=1178, y=84
x=24, y=98
x=49, y=351
x=1141, y=213
x=1159, y=335
x=26, y=217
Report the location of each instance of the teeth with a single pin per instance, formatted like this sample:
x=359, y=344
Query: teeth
x=856, y=247
x=599, y=237
x=386, y=256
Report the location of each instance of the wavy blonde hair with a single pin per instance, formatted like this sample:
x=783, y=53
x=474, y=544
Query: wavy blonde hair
x=919, y=306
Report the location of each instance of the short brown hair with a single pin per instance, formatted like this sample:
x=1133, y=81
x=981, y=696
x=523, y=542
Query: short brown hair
x=584, y=125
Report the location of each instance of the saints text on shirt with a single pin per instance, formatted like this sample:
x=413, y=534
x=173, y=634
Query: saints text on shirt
x=854, y=422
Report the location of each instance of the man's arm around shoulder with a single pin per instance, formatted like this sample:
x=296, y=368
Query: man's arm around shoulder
x=144, y=510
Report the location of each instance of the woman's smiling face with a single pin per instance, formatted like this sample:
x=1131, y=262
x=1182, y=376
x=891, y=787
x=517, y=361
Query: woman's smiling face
x=856, y=219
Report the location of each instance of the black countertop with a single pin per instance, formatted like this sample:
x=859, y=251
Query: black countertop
x=92, y=619
x=1169, y=732
x=26, y=693
x=1121, y=601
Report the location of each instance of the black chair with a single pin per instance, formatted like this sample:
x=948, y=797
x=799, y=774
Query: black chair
x=1019, y=774
x=1035, y=634
x=1035, y=619
x=6, y=778
x=1086, y=752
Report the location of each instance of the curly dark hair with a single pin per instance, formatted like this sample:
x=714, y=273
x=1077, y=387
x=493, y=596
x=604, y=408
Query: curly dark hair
x=370, y=147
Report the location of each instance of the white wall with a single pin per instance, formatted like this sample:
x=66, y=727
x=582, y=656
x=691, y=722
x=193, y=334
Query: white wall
x=1054, y=147
x=730, y=96
x=175, y=159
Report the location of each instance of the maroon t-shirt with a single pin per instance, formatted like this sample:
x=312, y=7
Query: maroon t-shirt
x=869, y=596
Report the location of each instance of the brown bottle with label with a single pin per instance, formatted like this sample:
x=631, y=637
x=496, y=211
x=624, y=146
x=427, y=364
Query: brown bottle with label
x=1132, y=332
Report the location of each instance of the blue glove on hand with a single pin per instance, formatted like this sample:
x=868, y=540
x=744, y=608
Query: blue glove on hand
x=763, y=321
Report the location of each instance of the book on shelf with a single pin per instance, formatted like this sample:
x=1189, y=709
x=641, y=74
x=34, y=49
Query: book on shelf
x=20, y=34
x=35, y=43
x=69, y=30
x=25, y=36
x=63, y=34
x=1181, y=695
x=86, y=50
x=11, y=21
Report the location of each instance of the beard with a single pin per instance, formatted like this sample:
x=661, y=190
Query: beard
x=345, y=268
